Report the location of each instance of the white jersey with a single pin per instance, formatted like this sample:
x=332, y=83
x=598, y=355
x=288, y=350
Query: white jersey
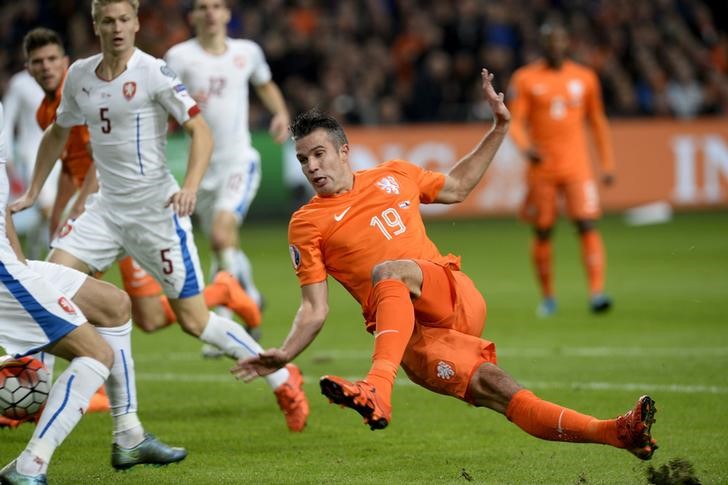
x=22, y=133
x=219, y=83
x=127, y=122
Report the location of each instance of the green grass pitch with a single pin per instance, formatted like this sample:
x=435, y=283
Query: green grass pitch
x=667, y=336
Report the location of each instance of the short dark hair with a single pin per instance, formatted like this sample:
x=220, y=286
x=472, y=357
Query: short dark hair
x=40, y=37
x=311, y=120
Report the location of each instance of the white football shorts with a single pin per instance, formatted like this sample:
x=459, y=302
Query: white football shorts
x=161, y=243
x=229, y=187
x=34, y=312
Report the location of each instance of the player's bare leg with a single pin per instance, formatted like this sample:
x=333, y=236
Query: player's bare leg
x=231, y=338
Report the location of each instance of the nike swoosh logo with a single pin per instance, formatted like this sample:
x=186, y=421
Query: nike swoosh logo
x=338, y=217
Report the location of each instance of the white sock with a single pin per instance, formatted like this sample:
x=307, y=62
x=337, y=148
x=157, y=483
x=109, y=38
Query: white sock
x=235, y=261
x=67, y=402
x=121, y=387
x=232, y=339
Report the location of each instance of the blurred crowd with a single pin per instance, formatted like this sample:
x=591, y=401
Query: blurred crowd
x=392, y=61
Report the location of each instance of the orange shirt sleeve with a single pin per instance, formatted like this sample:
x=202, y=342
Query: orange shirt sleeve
x=429, y=183
x=519, y=107
x=304, y=245
x=599, y=124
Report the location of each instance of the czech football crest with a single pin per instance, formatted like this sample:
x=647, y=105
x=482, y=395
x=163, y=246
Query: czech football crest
x=66, y=305
x=129, y=90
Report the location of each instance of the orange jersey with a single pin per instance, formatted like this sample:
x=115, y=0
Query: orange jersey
x=75, y=158
x=379, y=219
x=549, y=108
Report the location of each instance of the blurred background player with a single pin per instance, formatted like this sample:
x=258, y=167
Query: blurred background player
x=365, y=230
x=22, y=136
x=125, y=96
x=38, y=315
x=550, y=100
x=217, y=70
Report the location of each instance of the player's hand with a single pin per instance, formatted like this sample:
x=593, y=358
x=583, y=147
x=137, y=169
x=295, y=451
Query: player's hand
x=183, y=202
x=495, y=99
x=608, y=179
x=263, y=364
x=279, y=127
x=21, y=203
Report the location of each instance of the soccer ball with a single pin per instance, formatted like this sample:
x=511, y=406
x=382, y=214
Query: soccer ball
x=24, y=387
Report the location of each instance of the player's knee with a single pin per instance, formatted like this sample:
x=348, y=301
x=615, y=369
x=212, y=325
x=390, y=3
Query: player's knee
x=492, y=387
x=386, y=270
x=543, y=233
x=585, y=225
x=119, y=307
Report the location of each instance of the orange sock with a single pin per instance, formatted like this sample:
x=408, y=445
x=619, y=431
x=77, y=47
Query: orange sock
x=395, y=318
x=550, y=421
x=541, y=257
x=215, y=294
x=592, y=252
x=169, y=314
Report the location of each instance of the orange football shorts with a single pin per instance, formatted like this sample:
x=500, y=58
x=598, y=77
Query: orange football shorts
x=540, y=206
x=446, y=349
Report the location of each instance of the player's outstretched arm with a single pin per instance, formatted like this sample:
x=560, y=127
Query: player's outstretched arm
x=183, y=202
x=463, y=177
x=272, y=98
x=50, y=149
x=309, y=319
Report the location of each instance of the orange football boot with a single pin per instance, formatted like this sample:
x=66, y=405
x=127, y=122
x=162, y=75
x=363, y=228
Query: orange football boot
x=10, y=423
x=634, y=428
x=238, y=300
x=292, y=400
x=361, y=397
x=99, y=402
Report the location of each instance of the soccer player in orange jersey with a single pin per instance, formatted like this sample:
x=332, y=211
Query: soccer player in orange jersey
x=550, y=100
x=365, y=230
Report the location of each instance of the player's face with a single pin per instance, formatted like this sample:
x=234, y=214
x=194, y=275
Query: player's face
x=116, y=24
x=325, y=166
x=47, y=65
x=210, y=17
x=556, y=45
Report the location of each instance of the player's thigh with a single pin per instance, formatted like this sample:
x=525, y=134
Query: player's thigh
x=449, y=299
x=539, y=207
x=168, y=253
x=89, y=239
x=443, y=360
x=34, y=312
x=582, y=200
x=192, y=313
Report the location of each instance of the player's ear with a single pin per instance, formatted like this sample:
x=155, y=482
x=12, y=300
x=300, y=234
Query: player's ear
x=344, y=152
x=96, y=29
x=66, y=62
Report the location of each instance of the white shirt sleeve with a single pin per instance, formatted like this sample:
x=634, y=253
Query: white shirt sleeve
x=69, y=112
x=169, y=91
x=261, y=72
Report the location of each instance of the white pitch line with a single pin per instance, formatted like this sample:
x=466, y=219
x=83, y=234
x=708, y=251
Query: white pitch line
x=225, y=378
x=518, y=352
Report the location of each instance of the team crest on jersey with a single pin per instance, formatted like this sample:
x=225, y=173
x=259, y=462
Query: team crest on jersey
x=66, y=229
x=129, y=90
x=239, y=61
x=576, y=89
x=295, y=256
x=404, y=205
x=445, y=370
x=66, y=305
x=167, y=71
x=389, y=185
